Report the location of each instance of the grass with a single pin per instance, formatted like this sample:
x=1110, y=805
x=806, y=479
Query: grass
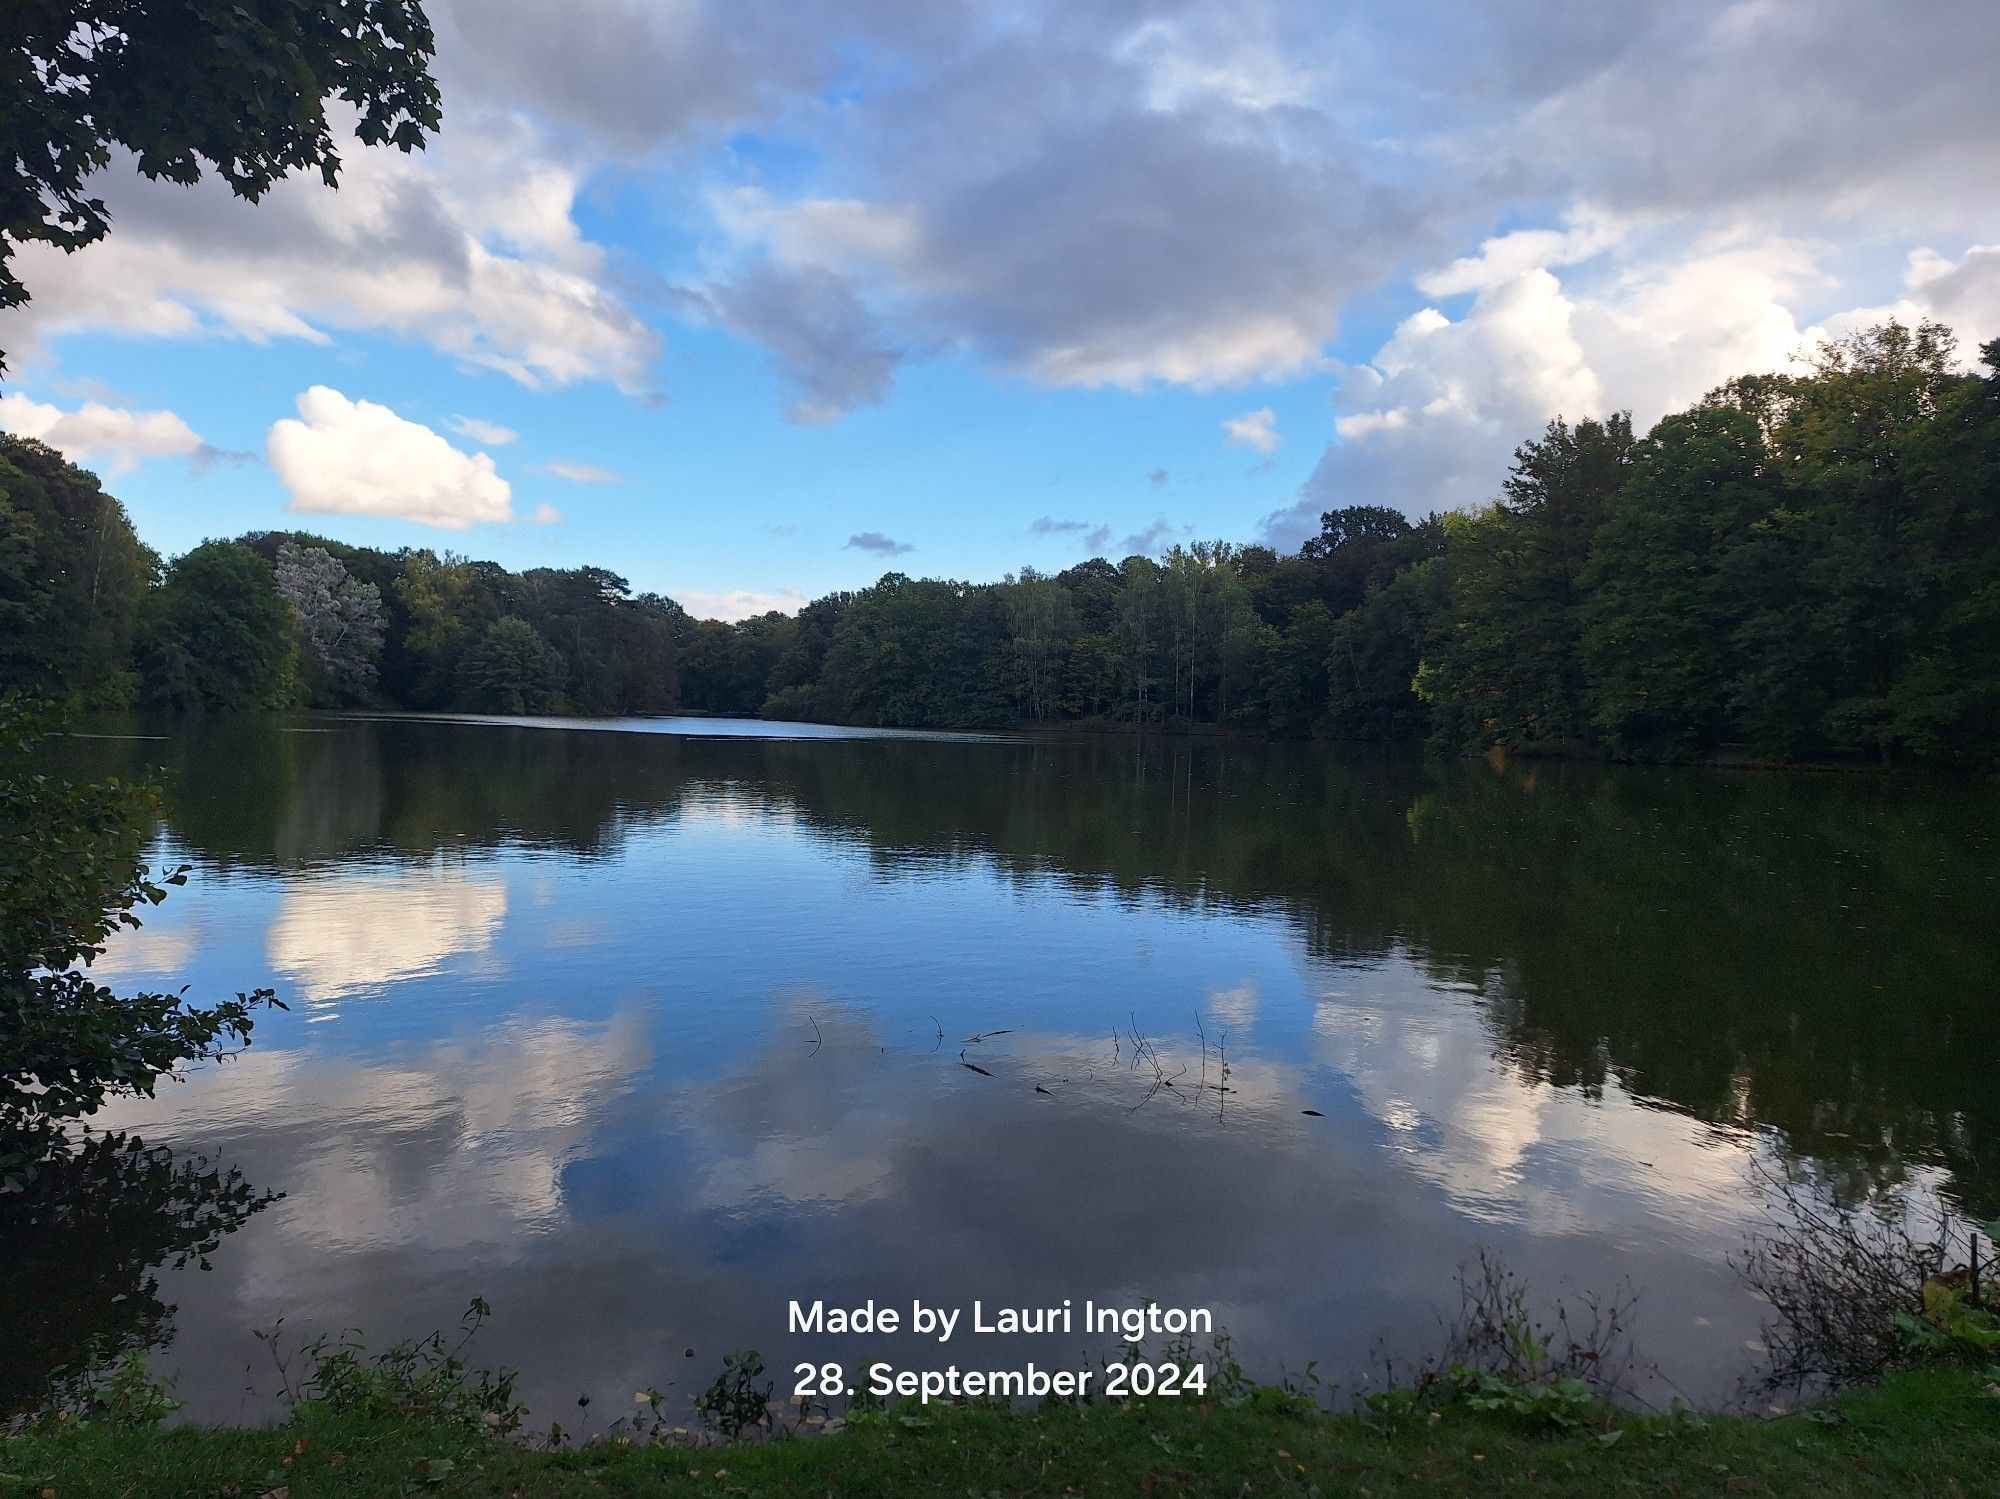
x=1927, y=1431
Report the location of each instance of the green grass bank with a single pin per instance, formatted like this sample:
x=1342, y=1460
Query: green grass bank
x=1926, y=1431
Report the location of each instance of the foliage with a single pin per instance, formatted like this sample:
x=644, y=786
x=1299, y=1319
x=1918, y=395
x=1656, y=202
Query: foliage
x=427, y=1379
x=1950, y=1323
x=339, y=618
x=220, y=633
x=1501, y=1359
x=1798, y=567
x=511, y=670
x=739, y=1399
x=73, y=577
x=180, y=83
x=70, y=876
x=119, y=1391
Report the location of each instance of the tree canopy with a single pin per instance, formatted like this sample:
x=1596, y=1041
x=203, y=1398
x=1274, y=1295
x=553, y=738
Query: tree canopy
x=1798, y=566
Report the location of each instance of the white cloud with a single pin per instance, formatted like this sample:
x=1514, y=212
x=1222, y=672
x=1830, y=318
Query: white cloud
x=579, y=473
x=492, y=434
x=1503, y=257
x=470, y=248
x=349, y=457
x=1431, y=420
x=359, y=934
x=548, y=515
x=741, y=603
x=112, y=436
x=1964, y=294
x=1254, y=429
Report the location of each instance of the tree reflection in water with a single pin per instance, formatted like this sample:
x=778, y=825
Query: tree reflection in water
x=83, y=1245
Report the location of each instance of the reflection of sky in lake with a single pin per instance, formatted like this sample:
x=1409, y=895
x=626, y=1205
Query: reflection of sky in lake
x=639, y=1101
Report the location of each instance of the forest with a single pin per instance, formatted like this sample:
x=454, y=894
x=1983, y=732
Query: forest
x=1799, y=567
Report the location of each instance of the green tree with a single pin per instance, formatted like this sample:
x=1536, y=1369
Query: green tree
x=1846, y=441
x=1945, y=704
x=448, y=603
x=511, y=670
x=917, y=653
x=179, y=83
x=1663, y=616
x=73, y=577
x=221, y=635
x=1041, y=626
x=1376, y=649
x=1507, y=670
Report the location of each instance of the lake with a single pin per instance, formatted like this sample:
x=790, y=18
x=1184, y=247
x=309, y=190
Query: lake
x=641, y=1030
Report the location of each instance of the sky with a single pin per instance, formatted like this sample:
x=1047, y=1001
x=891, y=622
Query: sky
x=752, y=300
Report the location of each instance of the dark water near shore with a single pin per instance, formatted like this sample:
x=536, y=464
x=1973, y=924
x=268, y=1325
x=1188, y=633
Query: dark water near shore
x=640, y=1031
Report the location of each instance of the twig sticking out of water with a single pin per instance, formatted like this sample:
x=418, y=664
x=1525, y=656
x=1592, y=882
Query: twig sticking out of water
x=1143, y=1050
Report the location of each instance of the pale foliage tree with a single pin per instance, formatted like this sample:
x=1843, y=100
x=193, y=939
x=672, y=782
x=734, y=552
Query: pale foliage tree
x=340, y=618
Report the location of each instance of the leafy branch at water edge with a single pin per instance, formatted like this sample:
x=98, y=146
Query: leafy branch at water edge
x=71, y=875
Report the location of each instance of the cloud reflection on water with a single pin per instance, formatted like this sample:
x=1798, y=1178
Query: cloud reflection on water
x=343, y=933
x=614, y=1207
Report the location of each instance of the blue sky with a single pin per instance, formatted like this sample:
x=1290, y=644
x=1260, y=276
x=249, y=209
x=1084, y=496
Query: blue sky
x=705, y=292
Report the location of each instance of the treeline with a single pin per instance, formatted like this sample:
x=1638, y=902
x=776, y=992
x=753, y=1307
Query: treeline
x=279, y=619
x=1798, y=566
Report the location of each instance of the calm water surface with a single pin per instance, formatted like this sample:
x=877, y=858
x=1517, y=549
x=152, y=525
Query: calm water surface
x=640, y=1030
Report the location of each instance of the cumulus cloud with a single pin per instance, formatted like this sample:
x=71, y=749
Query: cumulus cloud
x=492, y=434
x=548, y=515
x=1505, y=256
x=1968, y=289
x=470, y=248
x=346, y=457
x=94, y=433
x=1254, y=429
x=1089, y=196
x=742, y=603
x=579, y=473
x=1171, y=194
x=1431, y=420
x=876, y=542
x=1963, y=294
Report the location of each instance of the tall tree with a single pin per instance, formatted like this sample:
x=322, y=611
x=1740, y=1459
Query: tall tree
x=73, y=577
x=1662, y=620
x=340, y=621
x=220, y=634
x=511, y=670
x=1508, y=670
